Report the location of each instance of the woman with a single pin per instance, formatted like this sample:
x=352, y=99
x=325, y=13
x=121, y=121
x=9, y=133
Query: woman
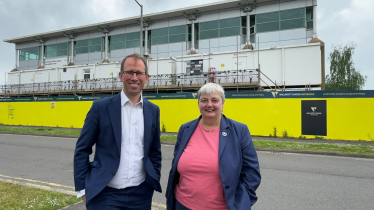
x=215, y=164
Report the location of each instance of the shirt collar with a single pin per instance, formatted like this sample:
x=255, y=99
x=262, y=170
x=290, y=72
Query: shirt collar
x=125, y=99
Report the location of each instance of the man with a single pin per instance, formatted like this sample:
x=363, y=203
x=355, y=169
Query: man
x=126, y=130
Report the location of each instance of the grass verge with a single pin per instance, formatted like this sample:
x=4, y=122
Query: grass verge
x=42, y=131
x=14, y=196
x=320, y=147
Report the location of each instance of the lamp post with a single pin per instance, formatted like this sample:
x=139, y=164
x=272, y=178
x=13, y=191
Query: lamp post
x=141, y=27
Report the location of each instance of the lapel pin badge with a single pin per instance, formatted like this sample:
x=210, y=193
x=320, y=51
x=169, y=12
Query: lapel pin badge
x=224, y=134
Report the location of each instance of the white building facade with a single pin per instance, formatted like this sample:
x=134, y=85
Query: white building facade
x=228, y=37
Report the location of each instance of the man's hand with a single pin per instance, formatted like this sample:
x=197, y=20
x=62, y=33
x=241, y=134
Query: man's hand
x=84, y=199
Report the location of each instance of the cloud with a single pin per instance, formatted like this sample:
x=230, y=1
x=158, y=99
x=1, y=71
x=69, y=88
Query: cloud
x=339, y=22
x=347, y=22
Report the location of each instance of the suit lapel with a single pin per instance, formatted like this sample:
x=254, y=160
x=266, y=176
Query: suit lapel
x=224, y=135
x=114, y=109
x=147, y=115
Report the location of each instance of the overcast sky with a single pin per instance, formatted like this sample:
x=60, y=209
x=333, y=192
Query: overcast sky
x=340, y=22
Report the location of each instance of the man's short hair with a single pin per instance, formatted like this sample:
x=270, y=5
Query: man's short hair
x=137, y=57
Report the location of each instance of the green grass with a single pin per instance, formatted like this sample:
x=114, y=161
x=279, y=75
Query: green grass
x=46, y=131
x=14, y=196
x=322, y=147
x=169, y=138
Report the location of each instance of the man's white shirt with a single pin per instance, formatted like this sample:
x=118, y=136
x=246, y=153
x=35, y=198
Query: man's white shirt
x=131, y=170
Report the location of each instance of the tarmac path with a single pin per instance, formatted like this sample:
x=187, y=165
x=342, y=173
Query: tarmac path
x=289, y=181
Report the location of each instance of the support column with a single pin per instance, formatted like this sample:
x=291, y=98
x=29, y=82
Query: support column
x=41, y=41
x=146, y=42
x=106, y=48
x=105, y=30
x=71, y=63
x=315, y=19
x=192, y=17
x=146, y=25
x=248, y=29
x=42, y=55
x=192, y=35
x=71, y=36
x=16, y=60
x=248, y=45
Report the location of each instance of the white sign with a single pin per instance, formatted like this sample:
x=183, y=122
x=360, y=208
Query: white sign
x=57, y=62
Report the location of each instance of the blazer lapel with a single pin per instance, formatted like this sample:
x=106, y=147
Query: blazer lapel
x=114, y=109
x=224, y=135
x=147, y=116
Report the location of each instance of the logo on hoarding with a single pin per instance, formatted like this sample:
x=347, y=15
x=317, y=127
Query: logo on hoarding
x=194, y=95
x=274, y=94
x=79, y=97
x=314, y=113
x=35, y=98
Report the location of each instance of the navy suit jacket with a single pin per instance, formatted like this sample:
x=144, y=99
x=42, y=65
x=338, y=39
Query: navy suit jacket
x=103, y=128
x=238, y=163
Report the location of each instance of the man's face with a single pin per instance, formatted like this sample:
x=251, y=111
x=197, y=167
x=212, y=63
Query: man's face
x=133, y=77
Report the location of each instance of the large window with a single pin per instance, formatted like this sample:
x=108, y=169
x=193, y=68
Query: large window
x=294, y=18
x=177, y=34
x=89, y=45
x=309, y=18
x=118, y=42
x=282, y=20
x=169, y=35
x=220, y=28
x=133, y=40
x=95, y=45
x=56, y=50
x=31, y=53
x=81, y=46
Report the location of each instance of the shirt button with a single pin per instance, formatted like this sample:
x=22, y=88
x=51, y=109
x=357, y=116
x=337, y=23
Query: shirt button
x=119, y=156
x=113, y=173
x=227, y=187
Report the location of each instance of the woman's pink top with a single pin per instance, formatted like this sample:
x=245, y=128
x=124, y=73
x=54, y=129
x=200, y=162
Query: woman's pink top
x=200, y=185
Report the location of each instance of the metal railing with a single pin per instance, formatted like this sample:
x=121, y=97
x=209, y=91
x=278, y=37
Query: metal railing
x=177, y=82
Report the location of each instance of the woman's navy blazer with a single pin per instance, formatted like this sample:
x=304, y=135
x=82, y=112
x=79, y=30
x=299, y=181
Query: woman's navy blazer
x=238, y=163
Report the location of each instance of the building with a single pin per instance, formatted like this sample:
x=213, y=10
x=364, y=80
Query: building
x=244, y=45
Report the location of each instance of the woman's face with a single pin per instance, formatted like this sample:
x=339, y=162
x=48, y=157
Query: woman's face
x=211, y=105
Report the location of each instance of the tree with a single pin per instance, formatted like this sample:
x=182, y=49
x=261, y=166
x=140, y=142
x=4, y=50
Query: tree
x=343, y=75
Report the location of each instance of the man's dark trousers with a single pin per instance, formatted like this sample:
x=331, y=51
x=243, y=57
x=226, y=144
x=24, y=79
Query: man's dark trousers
x=131, y=198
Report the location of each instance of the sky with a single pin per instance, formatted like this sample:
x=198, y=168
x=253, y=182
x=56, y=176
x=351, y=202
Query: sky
x=339, y=22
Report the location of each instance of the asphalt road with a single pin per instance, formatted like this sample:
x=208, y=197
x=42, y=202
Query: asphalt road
x=289, y=181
